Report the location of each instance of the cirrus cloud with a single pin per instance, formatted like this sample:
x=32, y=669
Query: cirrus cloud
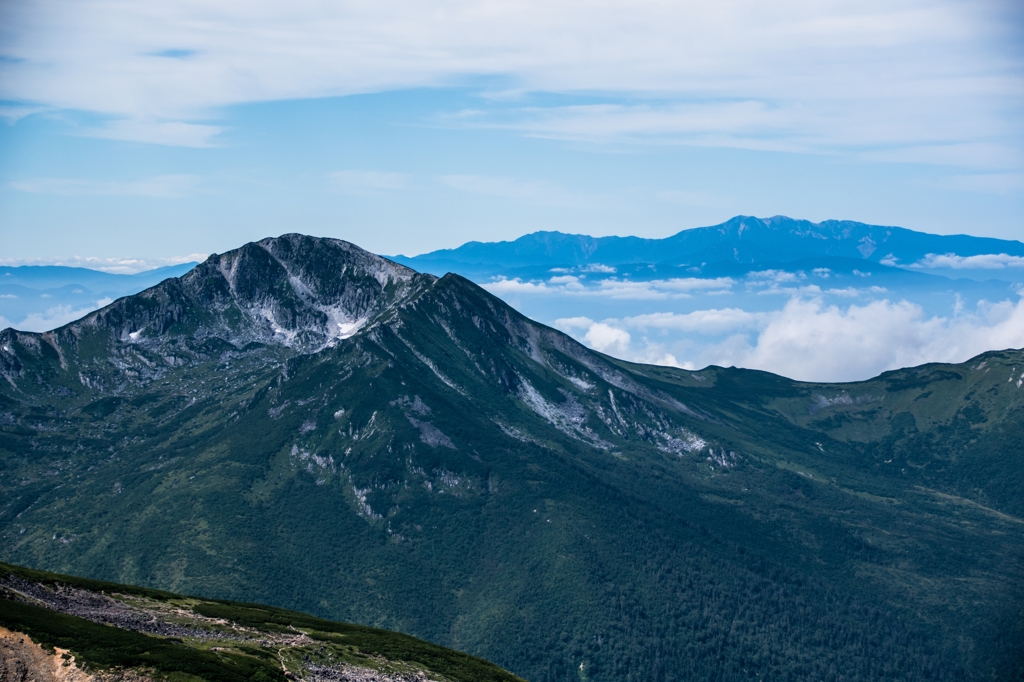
x=793, y=75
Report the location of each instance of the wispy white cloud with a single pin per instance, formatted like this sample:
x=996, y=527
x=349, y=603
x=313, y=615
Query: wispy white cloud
x=161, y=186
x=773, y=122
x=163, y=132
x=905, y=80
x=598, y=267
x=11, y=113
x=988, y=261
x=367, y=182
x=570, y=282
x=660, y=288
x=766, y=277
x=505, y=287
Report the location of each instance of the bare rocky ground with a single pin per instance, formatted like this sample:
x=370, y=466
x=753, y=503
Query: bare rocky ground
x=22, y=660
x=101, y=608
x=350, y=673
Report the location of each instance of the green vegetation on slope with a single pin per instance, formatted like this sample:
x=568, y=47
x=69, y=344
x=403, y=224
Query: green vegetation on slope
x=461, y=474
x=105, y=646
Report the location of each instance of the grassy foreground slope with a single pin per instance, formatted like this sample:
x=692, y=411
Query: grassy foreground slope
x=108, y=626
x=458, y=472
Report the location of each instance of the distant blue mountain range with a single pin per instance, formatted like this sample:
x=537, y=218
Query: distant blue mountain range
x=40, y=297
x=551, y=275
x=743, y=240
x=707, y=295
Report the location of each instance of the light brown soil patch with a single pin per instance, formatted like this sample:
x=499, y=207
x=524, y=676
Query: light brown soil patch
x=22, y=660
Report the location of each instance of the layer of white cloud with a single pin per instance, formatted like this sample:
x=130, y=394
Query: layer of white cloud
x=116, y=266
x=54, y=317
x=934, y=81
x=785, y=283
x=989, y=261
x=715, y=321
x=810, y=340
x=612, y=288
x=161, y=186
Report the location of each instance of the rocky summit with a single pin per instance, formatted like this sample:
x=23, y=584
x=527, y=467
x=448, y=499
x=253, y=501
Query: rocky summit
x=302, y=423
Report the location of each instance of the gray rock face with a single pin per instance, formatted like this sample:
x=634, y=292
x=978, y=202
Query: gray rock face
x=294, y=292
x=297, y=291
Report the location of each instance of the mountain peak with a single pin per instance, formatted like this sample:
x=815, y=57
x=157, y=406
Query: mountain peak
x=294, y=290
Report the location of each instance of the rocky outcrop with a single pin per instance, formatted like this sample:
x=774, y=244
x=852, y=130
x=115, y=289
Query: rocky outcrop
x=22, y=660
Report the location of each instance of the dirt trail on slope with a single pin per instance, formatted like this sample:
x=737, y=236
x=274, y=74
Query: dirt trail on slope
x=22, y=660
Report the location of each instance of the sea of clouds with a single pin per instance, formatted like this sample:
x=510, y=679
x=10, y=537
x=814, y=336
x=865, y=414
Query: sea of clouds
x=808, y=338
x=810, y=326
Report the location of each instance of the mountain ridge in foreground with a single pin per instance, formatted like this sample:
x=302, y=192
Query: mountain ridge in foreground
x=308, y=425
x=113, y=632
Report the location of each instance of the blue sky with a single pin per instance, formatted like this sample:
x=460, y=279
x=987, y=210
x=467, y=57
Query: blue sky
x=140, y=135
x=135, y=135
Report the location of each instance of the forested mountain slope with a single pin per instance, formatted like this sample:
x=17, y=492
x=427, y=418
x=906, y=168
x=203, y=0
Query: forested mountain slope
x=305, y=424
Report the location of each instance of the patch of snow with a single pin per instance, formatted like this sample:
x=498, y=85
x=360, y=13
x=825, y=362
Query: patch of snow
x=580, y=383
